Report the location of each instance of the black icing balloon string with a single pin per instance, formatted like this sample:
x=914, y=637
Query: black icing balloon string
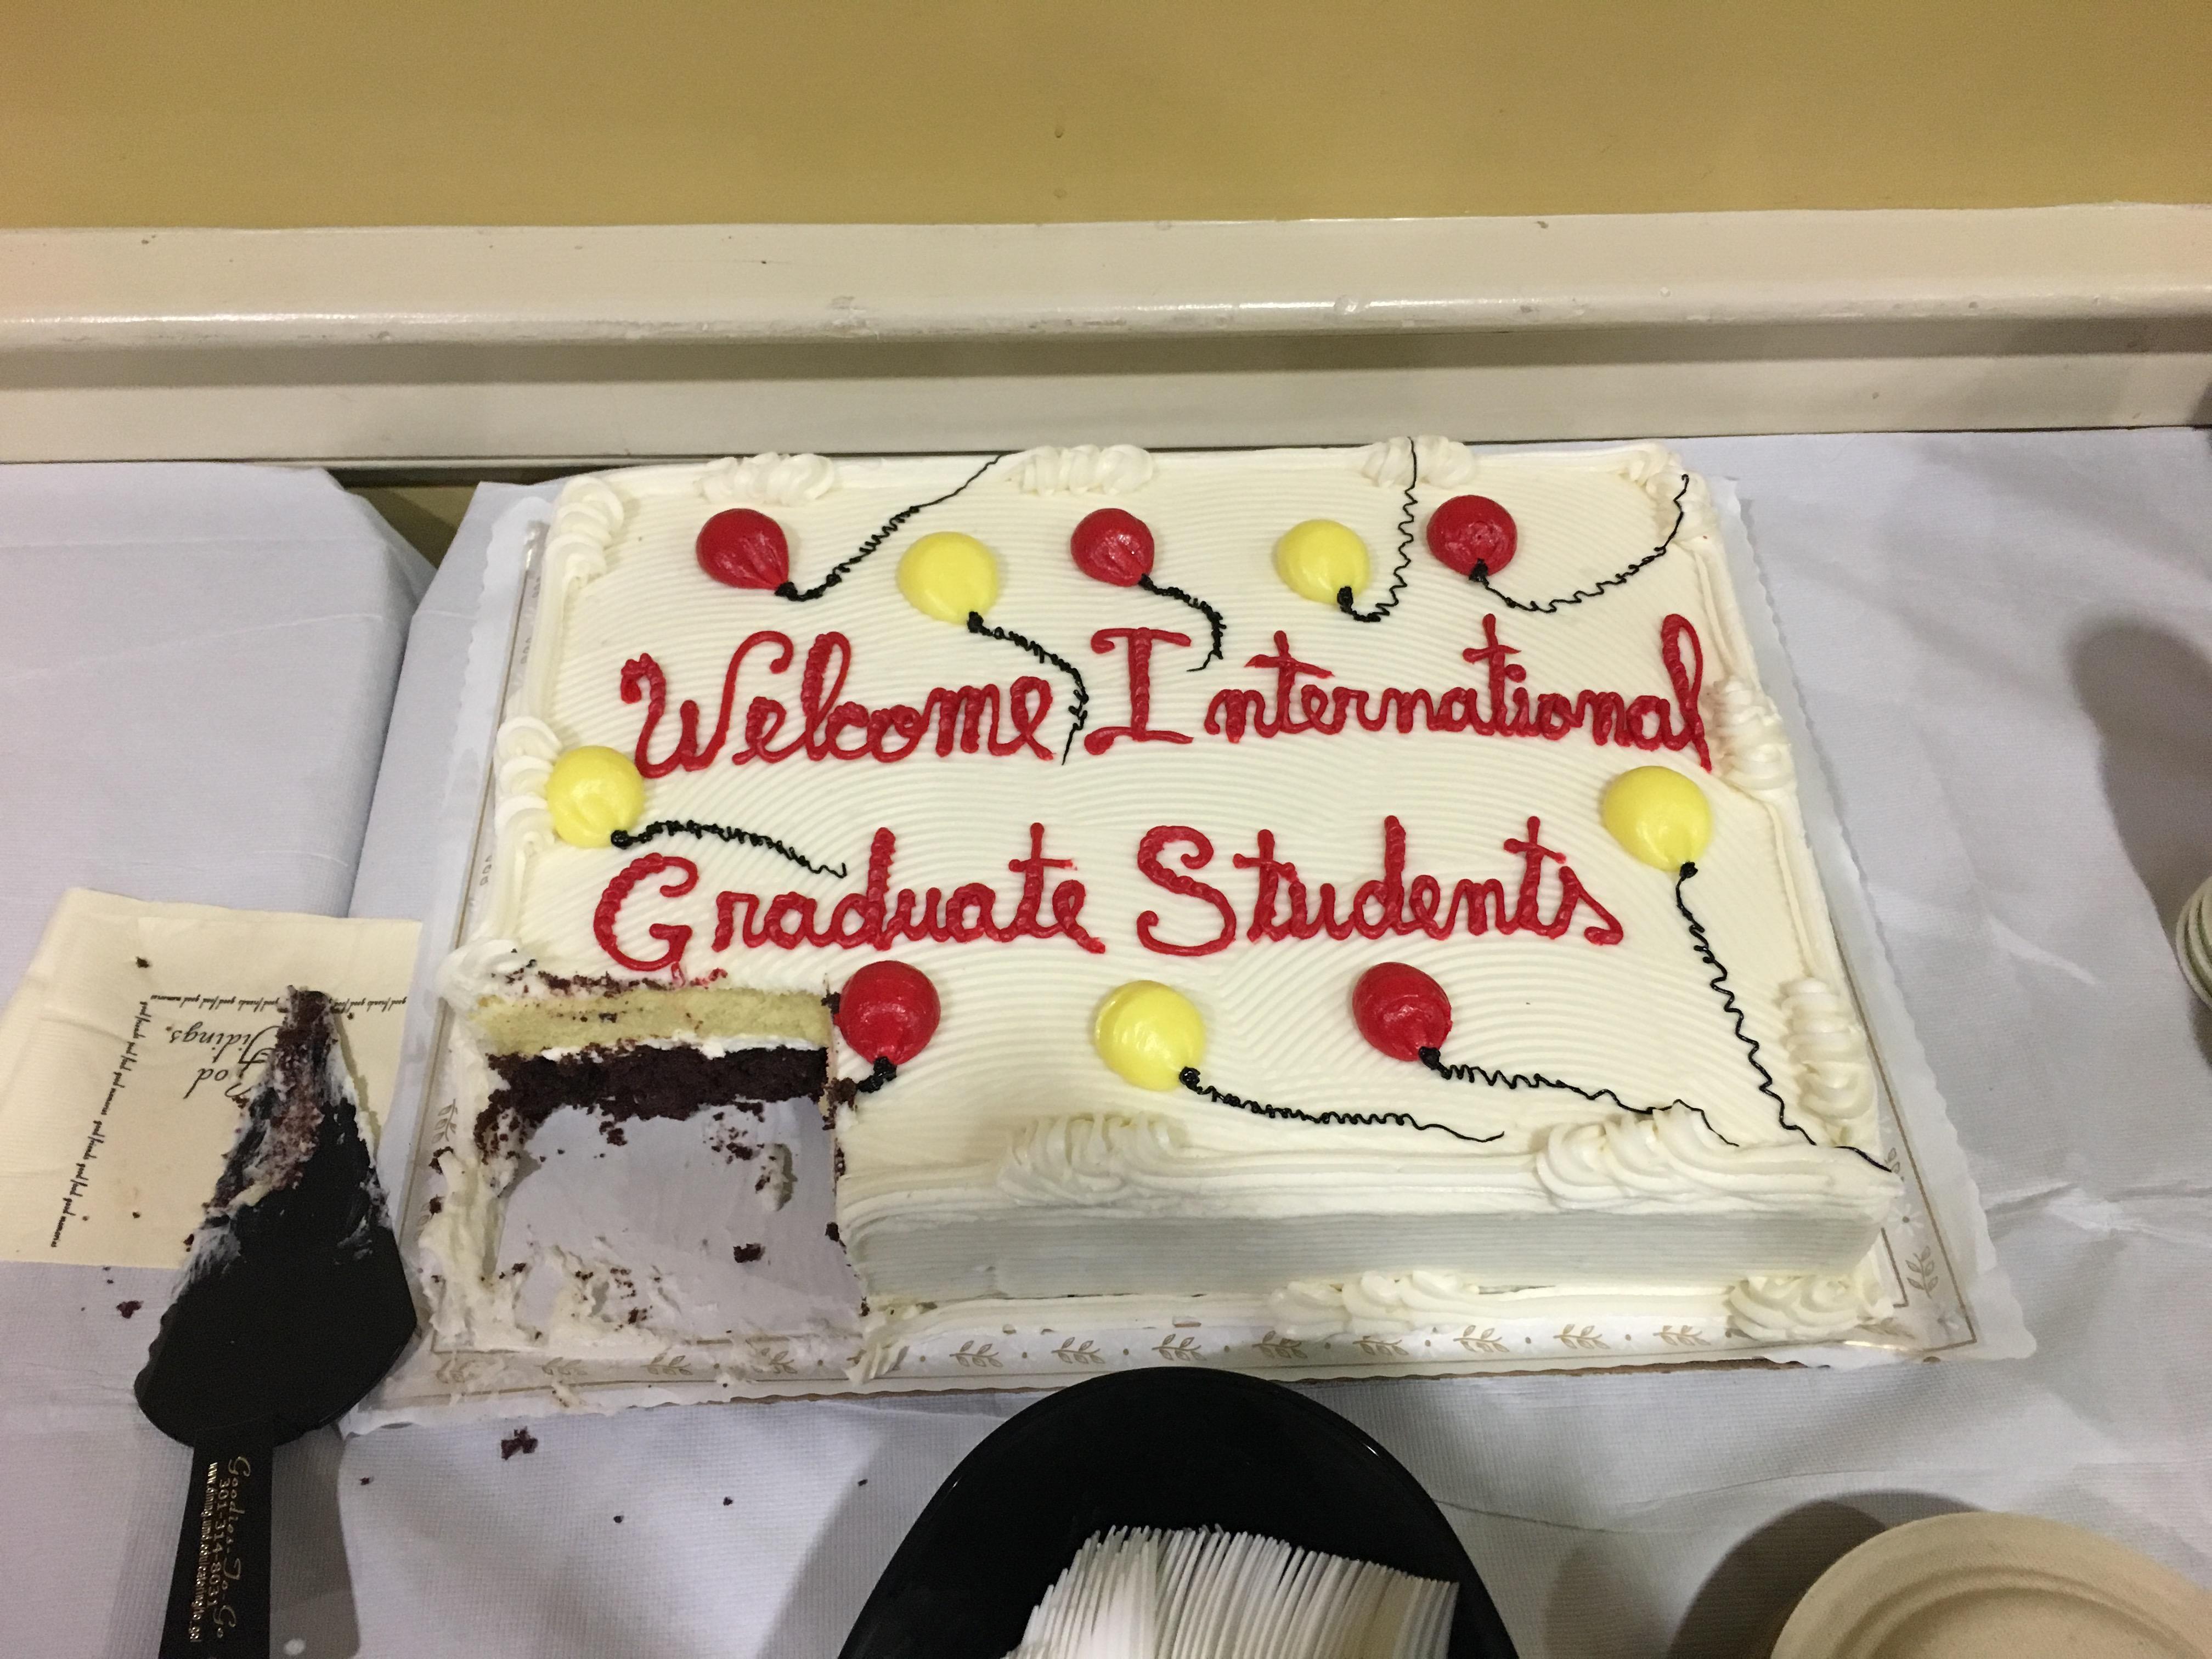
x=1465, y=534
x=1190, y=1080
x=1152, y=1035
x=1345, y=601
x=890, y=528
x=1116, y=547
x=955, y=578
x=1405, y=1014
x=1661, y=817
x=622, y=840
x=1079, y=708
x=1702, y=945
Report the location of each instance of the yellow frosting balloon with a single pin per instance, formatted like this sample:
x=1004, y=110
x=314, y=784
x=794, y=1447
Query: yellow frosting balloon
x=592, y=793
x=1319, y=558
x=948, y=576
x=1148, y=1032
x=1658, y=815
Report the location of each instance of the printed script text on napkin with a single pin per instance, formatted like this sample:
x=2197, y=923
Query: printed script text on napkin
x=129, y=1044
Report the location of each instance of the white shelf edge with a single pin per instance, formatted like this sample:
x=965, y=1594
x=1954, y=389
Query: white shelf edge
x=512, y=346
x=108, y=289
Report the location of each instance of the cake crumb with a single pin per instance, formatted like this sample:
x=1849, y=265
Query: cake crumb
x=731, y=1145
x=747, y=1252
x=143, y=963
x=619, y=1520
x=726, y=1503
x=365, y=1479
x=520, y=1441
x=613, y=1132
x=831, y=1233
x=126, y=1309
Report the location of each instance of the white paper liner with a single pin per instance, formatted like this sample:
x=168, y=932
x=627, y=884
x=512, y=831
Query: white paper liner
x=1934, y=1259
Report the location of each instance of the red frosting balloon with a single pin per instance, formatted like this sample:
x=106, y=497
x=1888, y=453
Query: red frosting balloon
x=1113, y=546
x=745, y=548
x=888, y=1011
x=1471, y=530
x=1401, y=1010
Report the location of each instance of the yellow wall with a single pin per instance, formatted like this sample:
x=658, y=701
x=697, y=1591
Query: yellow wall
x=277, y=112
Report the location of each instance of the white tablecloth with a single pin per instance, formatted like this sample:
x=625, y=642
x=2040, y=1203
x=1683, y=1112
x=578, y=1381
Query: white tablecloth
x=2005, y=643
x=196, y=664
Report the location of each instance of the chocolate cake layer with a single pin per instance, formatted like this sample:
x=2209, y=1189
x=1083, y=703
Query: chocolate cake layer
x=640, y=1082
x=284, y=1115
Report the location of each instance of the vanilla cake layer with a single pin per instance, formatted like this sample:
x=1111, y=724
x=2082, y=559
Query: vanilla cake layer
x=1717, y=1121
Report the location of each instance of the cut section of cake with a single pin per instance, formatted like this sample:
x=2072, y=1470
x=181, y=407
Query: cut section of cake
x=624, y=1054
x=629, y=1050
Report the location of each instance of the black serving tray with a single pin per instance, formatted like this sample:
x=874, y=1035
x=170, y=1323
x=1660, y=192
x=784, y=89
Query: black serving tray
x=1157, y=1447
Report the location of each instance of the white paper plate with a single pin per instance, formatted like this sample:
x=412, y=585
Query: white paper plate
x=1997, y=1587
x=2192, y=942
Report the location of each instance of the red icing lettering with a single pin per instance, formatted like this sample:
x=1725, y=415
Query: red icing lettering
x=1158, y=840
x=1230, y=712
x=1501, y=706
x=874, y=918
x=968, y=718
x=1685, y=680
x=643, y=677
x=674, y=936
x=1285, y=907
x=1140, y=642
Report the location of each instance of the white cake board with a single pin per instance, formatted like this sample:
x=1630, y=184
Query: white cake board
x=1952, y=1302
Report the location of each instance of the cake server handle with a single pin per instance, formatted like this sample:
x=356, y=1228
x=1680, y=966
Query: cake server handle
x=219, y=1593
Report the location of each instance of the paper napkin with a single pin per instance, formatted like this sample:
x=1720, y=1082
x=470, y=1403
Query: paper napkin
x=129, y=1043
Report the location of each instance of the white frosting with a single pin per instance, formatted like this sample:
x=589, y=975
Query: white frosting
x=712, y=1047
x=1752, y=749
x=1088, y=1160
x=773, y=1184
x=480, y=969
x=587, y=516
x=1671, y=1161
x=1008, y=1114
x=1444, y=463
x=1788, y=1309
x=770, y=480
x=1835, y=1070
x=1675, y=1157
x=1806, y=1307
x=1113, y=470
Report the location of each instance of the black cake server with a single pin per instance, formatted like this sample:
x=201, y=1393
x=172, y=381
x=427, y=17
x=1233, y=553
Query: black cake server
x=293, y=1303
